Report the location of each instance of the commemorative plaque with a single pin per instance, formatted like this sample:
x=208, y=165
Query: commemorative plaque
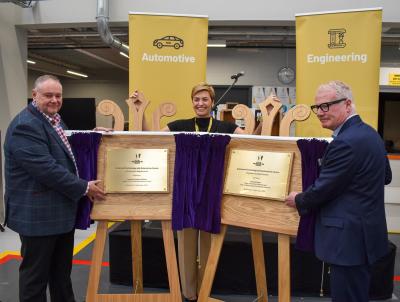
x=136, y=170
x=259, y=174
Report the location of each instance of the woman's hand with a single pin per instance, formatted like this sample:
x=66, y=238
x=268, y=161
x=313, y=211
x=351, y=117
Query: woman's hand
x=103, y=129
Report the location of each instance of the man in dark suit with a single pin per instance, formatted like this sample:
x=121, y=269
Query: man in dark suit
x=42, y=193
x=350, y=230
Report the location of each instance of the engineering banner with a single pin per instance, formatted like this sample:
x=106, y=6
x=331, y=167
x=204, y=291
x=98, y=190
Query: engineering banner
x=168, y=56
x=343, y=46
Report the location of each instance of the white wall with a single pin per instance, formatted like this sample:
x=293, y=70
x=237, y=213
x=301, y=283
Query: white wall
x=13, y=55
x=261, y=65
x=65, y=11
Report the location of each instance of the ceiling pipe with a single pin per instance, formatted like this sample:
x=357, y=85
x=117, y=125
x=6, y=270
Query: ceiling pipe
x=104, y=29
x=70, y=35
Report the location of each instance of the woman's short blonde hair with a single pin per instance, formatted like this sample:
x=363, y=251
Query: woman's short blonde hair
x=203, y=87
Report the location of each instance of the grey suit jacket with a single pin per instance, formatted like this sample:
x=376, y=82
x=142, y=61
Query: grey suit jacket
x=42, y=189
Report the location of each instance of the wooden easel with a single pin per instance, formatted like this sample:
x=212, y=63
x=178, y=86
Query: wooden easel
x=261, y=215
x=235, y=211
x=135, y=208
x=258, y=215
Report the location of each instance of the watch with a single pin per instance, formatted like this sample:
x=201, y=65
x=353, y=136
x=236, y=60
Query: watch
x=286, y=75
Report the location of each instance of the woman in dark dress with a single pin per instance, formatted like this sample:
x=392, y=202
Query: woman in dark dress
x=203, y=97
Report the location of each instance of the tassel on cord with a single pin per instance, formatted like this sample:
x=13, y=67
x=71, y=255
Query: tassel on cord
x=321, y=290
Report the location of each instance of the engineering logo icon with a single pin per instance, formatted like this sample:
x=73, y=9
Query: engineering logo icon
x=337, y=38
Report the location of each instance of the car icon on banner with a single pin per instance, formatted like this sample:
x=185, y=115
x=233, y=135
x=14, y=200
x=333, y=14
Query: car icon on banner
x=170, y=41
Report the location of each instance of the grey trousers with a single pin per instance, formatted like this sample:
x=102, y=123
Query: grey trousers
x=193, y=250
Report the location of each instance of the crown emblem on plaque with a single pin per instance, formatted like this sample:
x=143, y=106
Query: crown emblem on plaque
x=137, y=160
x=259, y=162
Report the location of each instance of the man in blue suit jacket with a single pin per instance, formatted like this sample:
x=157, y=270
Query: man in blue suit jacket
x=42, y=193
x=350, y=230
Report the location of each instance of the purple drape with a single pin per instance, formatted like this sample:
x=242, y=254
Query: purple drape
x=85, y=147
x=198, y=181
x=311, y=152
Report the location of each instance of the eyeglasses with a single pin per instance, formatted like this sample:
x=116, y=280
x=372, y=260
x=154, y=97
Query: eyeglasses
x=325, y=106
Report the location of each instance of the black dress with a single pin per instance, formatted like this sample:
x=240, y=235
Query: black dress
x=203, y=123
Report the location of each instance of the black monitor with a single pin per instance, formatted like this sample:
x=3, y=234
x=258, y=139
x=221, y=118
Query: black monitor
x=241, y=94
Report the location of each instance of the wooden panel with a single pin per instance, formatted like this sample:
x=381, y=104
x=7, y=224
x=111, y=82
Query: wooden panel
x=137, y=106
x=139, y=206
x=214, y=300
x=270, y=114
x=211, y=267
x=137, y=267
x=97, y=257
x=263, y=214
x=283, y=268
x=242, y=112
x=259, y=265
x=299, y=112
x=108, y=107
x=164, y=109
x=253, y=213
x=170, y=259
x=136, y=298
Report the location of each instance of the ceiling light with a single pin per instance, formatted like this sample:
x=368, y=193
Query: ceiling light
x=123, y=54
x=125, y=46
x=216, y=45
x=30, y=62
x=77, y=74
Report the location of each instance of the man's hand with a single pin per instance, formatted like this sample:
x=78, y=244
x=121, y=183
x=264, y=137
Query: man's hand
x=95, y=192
x=290, y=199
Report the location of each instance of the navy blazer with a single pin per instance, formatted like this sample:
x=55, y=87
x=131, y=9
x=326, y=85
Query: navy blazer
x=42, y=189
x=349, y=196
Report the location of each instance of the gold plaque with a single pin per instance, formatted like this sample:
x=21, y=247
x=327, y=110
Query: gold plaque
x=259, y=174
x=136, y=170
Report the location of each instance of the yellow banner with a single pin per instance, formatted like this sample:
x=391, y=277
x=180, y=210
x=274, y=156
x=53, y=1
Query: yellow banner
x=168, y=56
x=342, y=46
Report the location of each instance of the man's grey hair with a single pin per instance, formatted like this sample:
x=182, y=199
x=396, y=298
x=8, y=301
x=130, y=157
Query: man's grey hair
x=43, y=79
x=343, y=91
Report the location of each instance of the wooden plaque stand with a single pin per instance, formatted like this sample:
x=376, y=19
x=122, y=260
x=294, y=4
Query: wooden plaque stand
x=258, y=215
x=253, y=213
x=261, y=215
x=135, y=207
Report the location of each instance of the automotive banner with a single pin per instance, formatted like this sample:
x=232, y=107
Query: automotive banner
x=167, y=57
x=342, y=45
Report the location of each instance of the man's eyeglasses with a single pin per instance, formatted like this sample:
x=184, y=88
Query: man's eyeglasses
x=325, y=106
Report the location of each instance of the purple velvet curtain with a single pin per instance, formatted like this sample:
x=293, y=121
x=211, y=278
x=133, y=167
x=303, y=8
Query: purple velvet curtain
x=85, y=147
x=311, y=152
x=198, y=181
